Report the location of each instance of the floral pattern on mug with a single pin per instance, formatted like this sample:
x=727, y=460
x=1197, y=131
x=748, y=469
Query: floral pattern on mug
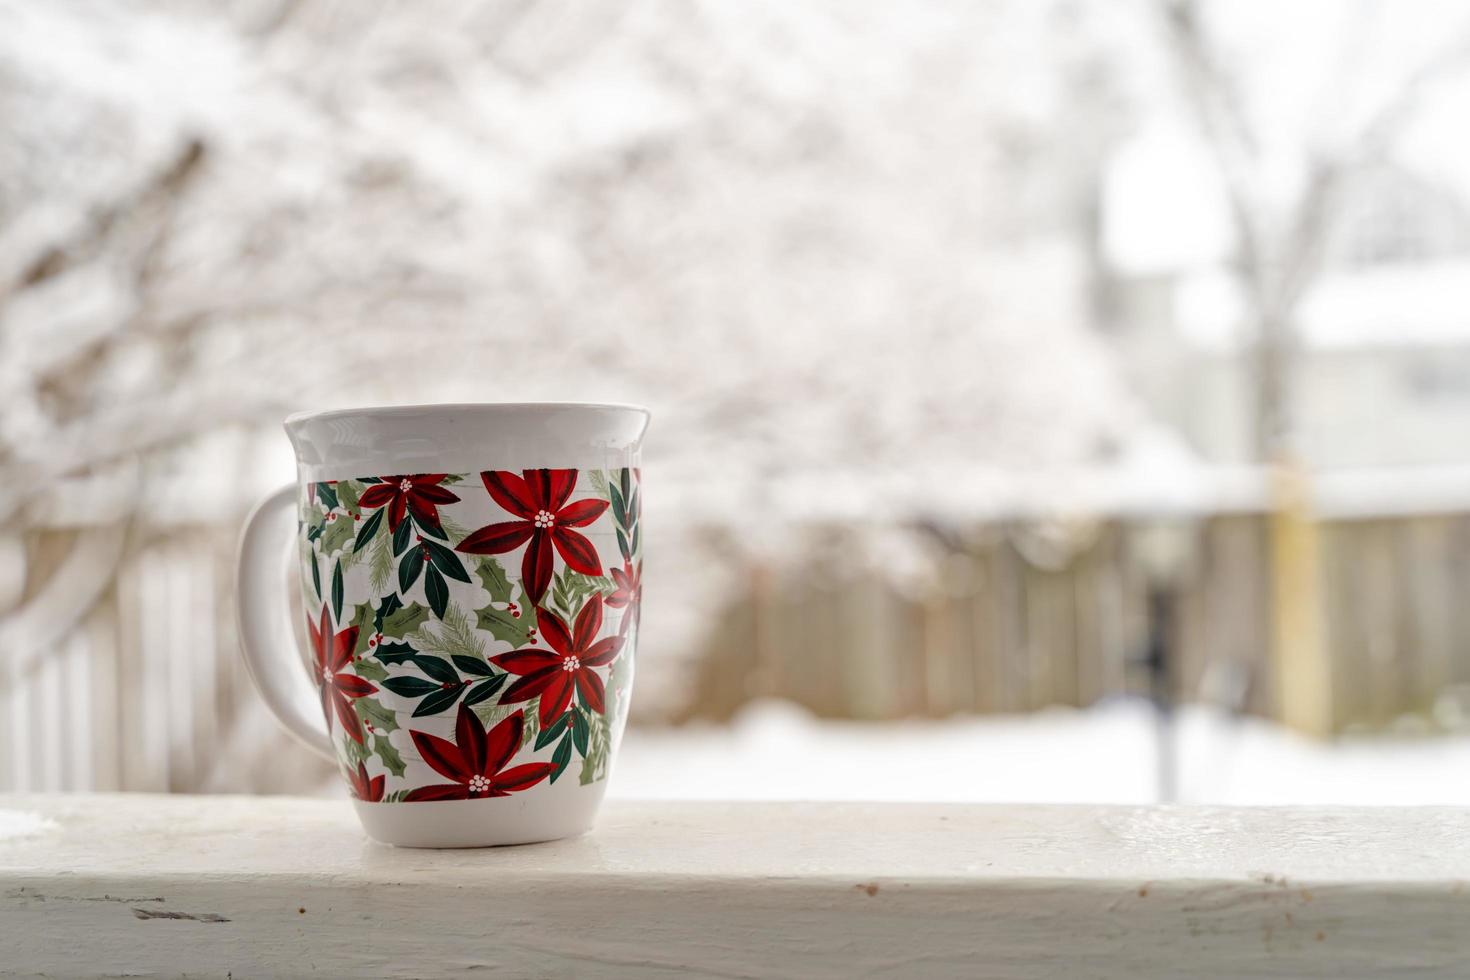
x=472, y=634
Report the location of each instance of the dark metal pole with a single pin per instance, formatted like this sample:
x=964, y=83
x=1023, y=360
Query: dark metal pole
x=1160, y=664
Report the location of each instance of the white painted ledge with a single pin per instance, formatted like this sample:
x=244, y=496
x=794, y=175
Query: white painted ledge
x=152, y=885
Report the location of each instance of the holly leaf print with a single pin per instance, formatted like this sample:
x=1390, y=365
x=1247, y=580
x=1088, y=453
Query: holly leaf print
x=347, y=493
x=492, y=576
x=326, y=493
x=383, y=749
x=371, y=669
x=395, y=653
x=405, y=620
x=372, y=711
x=355, y=753
x=362, y=618
x=339, y=531
x=314, y=522
x=504, y=626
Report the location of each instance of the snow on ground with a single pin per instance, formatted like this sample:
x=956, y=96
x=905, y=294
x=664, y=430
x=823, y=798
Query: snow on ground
x=776, y=751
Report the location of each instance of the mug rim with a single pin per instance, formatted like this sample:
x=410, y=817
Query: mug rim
x=297, y=418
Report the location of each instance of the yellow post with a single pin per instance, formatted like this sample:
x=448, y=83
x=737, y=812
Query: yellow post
x=1298, y=642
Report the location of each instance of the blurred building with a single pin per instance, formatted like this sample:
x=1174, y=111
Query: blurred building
x=1381, y=367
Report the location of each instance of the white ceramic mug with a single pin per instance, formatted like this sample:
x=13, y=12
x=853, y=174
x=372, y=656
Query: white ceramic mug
x=471, y=576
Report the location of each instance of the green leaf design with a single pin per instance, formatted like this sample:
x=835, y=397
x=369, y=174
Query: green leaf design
x=367, y=529
x=618, y=681
x=623, y=546
x=347, y=494
x=452, y=635
x=395, y=653
x=579, y=730
x=314, y=522
x=371, y=669
x=436, y=590
x=598, y=480
x=337, y=592
x=371, y=710
x=454, y=532
x=560, y=758
x=579, y=588
x=446, y=561
x=383, y=749
x=437, y=668
x=405, y=620
x=316, y=575
x=505, y=627
x=338, y=533
x=326, y=494
x=402, y=536
x=451, y=480
x=380, y=562
x=594, y=759
x=619, y=507
x=411, y=687
x=491, y=715
x=355, y=753
x=435, y=703
x=492, y=576
x=559, y=597
x=484, y=689
x=387, y=605
x=552, y=732
x=362, y=618
x=409, y=569
x=431, y=526
x=473, y=665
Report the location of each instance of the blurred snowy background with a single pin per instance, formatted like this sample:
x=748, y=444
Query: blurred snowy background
x=1004, y=357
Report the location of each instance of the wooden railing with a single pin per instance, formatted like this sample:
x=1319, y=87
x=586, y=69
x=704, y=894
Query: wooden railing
x=230, y=886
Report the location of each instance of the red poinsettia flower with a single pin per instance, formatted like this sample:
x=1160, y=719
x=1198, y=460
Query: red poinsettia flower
x=418, y=493
x=475, y=760
x=569, y=664
x=365, y=789
x=333, y=657
x=629, y=593
x=539, y=499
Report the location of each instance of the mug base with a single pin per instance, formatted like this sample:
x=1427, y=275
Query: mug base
x=483, y=823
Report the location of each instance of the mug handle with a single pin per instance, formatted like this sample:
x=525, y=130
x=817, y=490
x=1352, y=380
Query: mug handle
x=263, y=615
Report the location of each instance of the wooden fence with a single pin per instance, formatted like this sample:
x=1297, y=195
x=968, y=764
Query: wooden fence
x=997, y=632
x=148, y=693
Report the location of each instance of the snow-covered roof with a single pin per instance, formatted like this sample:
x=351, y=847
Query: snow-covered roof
x=1390, y=306
x=1379, y=307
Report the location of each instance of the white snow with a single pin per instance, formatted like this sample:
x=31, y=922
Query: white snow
x=776, y=751
x=1392, y=306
